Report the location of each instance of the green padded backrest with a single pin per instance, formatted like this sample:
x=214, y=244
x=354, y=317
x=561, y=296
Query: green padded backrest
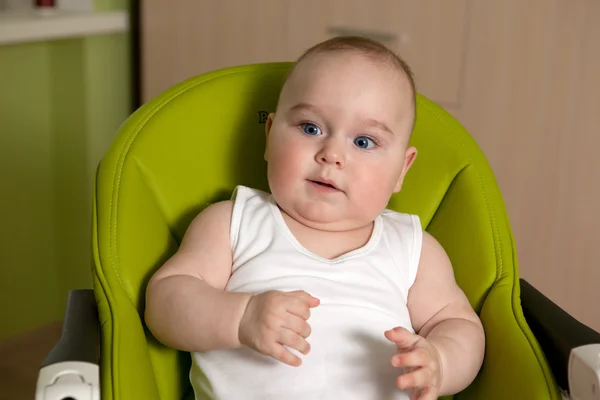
x=192, y=144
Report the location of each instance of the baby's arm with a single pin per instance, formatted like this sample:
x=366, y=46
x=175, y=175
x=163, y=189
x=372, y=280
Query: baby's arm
x=188, y=309
x=186, y=306
x=441, y=313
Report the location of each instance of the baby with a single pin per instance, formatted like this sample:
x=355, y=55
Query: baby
x=316, y=290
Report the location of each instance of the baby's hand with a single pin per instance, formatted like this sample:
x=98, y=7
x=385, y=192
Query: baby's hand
x=276, y=319
x=422, y=361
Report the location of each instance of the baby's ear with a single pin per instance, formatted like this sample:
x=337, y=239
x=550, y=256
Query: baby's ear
x=268, y=125
x=409, y=158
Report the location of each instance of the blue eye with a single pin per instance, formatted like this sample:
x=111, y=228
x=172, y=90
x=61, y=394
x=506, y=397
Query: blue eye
x=364, y=142
x=311, y=129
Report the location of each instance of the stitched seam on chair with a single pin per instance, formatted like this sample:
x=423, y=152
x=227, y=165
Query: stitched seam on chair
x=485, y=190
x=105, y=292
x=449, y=129
x=460, y=171
x=485, y=295
x=153, y=191
x=540, y=358
x=548, y=386
x=494, y=225
x=442, y=120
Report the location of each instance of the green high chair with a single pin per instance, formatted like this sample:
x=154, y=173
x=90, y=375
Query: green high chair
x=189, y=147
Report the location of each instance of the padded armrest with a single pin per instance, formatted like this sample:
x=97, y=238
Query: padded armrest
x=557, y=332
x=71, y=369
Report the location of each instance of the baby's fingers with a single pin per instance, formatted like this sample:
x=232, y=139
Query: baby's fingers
x=414, y=358
x=299, y=305
x=306, y=298
x=298, y=325
x=403, y=338
x=292, y=339
x=418, y=378
x=428, y=393
x=285, y=356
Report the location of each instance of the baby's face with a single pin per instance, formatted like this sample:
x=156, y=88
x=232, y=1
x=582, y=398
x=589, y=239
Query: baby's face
x=337, y=147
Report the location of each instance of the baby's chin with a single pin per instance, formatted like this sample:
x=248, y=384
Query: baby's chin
x=326, y=221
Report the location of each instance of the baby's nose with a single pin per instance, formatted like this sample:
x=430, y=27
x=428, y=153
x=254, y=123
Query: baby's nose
x=332, y=154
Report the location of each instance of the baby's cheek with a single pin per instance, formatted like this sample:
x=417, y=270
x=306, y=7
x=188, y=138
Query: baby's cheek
x=286, y=168
x=378, y=180
x=374, y=191
x=284, y=171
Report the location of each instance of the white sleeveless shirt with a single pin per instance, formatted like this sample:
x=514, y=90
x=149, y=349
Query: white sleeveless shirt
x=362, y=294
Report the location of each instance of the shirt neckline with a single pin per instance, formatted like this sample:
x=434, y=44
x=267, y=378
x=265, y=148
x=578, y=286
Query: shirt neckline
x=371, y=243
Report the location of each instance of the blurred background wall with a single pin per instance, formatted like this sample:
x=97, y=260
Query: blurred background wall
x=60, y=104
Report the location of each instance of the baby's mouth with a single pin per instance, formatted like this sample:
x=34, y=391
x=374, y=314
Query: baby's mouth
x=324, y=183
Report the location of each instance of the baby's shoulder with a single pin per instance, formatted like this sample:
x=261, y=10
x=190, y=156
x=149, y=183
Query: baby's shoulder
x=215, y=214
x=242, y=194
x=400, y=219
x=402, y=230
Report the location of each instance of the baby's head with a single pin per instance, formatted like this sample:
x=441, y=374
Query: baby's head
x=338, y=143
